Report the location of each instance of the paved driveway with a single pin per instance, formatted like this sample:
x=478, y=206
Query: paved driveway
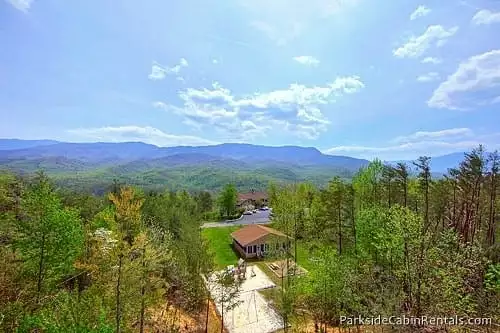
x=261, y=217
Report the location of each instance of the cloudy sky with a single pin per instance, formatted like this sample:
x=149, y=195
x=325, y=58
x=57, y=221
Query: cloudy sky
x=364, y=78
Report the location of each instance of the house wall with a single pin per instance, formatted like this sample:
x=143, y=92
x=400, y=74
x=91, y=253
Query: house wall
x=260, y=246
x=239, y=248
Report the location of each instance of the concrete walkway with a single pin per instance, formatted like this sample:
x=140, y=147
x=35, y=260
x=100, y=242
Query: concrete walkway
x=253, y=314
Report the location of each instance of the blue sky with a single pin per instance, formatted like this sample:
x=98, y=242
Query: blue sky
x=364, y=78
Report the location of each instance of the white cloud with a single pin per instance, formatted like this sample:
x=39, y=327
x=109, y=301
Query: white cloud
x=429, y=77
x=307, y=60
x=442, y=134
x=416, y=46
x=405, y=151
x=431, y=60
x=478, y=74
x=296, y=109
x=183, y=62
x=159, y=72
x=22, y=5
x=486, y=16
x=300, y=95
x=429, y=143
x=145, y=134
x=215, y=61
x=419, y=12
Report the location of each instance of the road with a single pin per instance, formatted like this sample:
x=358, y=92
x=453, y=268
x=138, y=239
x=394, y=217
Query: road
x=261, y=217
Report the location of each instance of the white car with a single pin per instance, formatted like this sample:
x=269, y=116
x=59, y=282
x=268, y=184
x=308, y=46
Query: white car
x=247, y=212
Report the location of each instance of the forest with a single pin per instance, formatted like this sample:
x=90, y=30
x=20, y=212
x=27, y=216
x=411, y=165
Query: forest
x=391, y=241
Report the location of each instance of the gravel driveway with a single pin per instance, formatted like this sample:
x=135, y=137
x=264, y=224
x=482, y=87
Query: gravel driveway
x=261, y=217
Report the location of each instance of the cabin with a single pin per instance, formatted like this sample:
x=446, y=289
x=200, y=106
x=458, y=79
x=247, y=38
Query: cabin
x=256, y=241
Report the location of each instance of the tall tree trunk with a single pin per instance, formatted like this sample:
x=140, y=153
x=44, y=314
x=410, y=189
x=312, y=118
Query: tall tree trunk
x=206, y=318
x=455, y=222
x=222, y=316
x=339, y=211
x=143, y=289
x=490, y=235
x=405, y=192
x=389, y=194
x=353, y=223
x=118, y=304
x=41, y=263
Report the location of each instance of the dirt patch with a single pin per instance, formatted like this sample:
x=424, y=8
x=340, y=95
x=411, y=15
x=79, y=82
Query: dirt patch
x=172, y=319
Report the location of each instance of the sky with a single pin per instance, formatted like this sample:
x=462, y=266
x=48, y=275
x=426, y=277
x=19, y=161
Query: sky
x=362, y=78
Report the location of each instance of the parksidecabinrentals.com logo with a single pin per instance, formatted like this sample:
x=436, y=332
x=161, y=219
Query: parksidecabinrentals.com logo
x=413, y=321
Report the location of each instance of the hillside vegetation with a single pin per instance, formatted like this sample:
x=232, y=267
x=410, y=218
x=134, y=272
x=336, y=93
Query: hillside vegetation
x=385, y=243
x=91, y=167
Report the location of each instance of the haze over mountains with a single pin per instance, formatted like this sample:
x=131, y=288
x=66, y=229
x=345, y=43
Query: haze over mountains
x=201, y=167
x=102, y=152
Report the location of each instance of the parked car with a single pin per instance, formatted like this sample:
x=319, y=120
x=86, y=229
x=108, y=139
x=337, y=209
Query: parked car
x=247, y=212
x=254, y=211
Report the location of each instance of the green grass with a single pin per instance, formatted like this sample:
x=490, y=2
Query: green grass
x=220, y=245
x=304, y=254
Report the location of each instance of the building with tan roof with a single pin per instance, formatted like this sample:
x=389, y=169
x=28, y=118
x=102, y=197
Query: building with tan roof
x=252, y=199
x=256, y=240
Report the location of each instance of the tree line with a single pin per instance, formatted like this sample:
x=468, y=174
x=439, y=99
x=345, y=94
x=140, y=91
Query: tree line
x=391, y=241
x=123, y=262
x=394, y=241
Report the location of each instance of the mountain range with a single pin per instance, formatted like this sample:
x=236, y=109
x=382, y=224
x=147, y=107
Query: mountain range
x=200, y=167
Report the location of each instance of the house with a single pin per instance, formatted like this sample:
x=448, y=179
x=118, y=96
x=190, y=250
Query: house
x=252, y=200
x=257, y=240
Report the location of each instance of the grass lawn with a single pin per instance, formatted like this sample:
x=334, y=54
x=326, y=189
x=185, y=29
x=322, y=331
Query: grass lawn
x=304, y=253
x=220, y=245
x=224, y=255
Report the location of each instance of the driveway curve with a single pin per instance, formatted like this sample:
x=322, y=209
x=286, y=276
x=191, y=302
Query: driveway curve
x=261, y=217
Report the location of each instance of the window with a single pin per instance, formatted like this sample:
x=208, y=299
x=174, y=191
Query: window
x=249, y=249
x=255, y=249
x=261, y=247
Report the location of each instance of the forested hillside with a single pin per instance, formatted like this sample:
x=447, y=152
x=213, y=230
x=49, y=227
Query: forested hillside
x=386, y=243
x=389, y=244
x=91, y=167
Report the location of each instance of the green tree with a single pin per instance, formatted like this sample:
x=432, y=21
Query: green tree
x=204, y=201
x=127, y=220
x=227, y=292
x=50, y=236
x=228, y=199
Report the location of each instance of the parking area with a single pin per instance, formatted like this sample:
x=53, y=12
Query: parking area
x=253, y=314
x=260, y=217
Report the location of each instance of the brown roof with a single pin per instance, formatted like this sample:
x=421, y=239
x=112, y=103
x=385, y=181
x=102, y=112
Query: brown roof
x=252, y=196
x=252, y=232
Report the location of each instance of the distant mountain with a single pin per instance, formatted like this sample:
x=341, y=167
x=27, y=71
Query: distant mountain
x=132, y=151
x=13, y=144
x=93, y=166
x=445, y=162
x=99, y=152
x=439, y=164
